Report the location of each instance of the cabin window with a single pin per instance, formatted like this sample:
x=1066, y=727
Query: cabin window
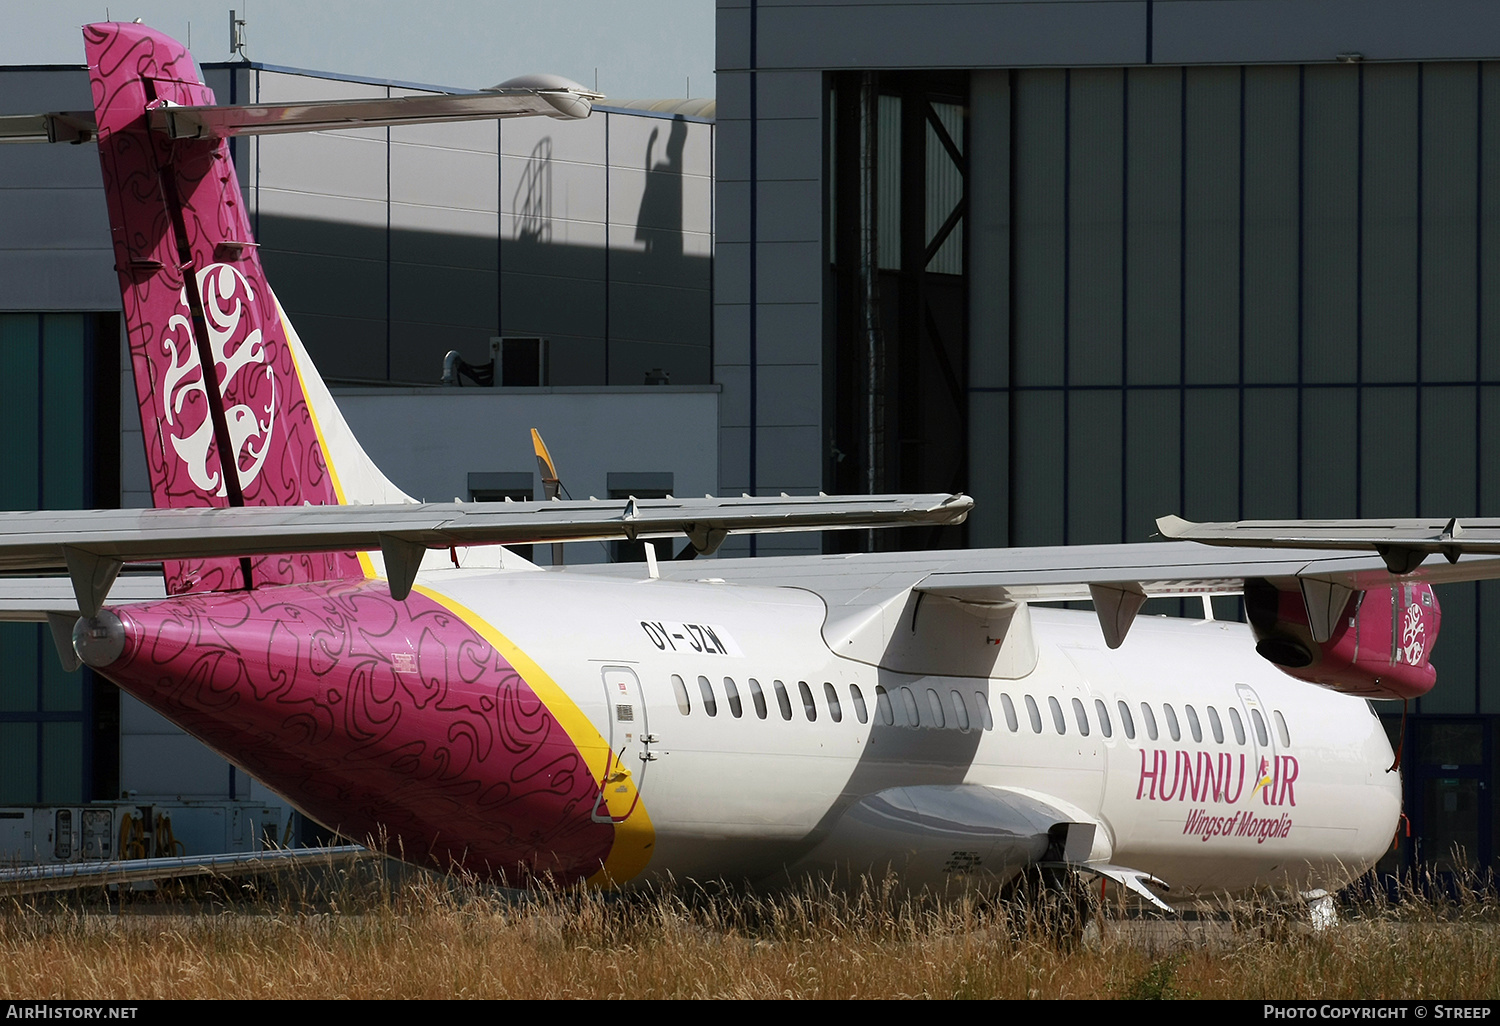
x=783, y=699
x=758, y=697
x=1238, y=725
x=985, y=719
x=1216, y=725
x=1260, y=728
x=1102, y=711
x=1034, y=714
x=960, y=710
x=883, y=706
x=808, y=708
x=857, y=697
x=910, y=702
x=1057, y=715
x=707, y=691
x=835, y=710
x=1286, y=739
x=1082, y=717
x=1009, y=708
x=936, y=705
x=1172, y=726
x=684, y=706
x=1193, y=725
x=1149, y=718
x=1126, y=721
x=732, y=695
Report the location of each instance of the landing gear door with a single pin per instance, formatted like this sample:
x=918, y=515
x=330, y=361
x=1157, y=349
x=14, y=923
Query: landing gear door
x=629, y=741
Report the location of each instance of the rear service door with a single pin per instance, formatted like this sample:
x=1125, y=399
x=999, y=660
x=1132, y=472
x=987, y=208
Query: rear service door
x=629, y=742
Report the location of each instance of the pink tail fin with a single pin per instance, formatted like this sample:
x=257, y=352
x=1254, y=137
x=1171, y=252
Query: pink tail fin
x=245, y=435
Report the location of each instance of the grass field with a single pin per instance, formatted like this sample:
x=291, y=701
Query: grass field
x=362, y=934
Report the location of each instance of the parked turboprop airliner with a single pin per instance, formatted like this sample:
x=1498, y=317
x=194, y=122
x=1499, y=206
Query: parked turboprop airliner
x=748, y=720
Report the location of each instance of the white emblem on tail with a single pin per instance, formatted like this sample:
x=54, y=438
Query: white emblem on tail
x=226, y=295
x=1413, y=635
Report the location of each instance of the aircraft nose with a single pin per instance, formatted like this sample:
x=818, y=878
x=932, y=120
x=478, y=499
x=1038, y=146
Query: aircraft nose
x=99, y=640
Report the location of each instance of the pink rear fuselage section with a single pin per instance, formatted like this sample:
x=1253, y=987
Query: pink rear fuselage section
x=388, y=720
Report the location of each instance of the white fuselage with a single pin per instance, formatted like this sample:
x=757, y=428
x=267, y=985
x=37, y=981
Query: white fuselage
x=1281, y=783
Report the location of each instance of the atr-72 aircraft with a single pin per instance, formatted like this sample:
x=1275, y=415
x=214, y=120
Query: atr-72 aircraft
x=390, y=668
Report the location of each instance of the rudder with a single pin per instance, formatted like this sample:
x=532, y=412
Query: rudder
x=177, y=215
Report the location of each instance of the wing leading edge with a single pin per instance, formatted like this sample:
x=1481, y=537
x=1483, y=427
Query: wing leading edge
x=92, y=545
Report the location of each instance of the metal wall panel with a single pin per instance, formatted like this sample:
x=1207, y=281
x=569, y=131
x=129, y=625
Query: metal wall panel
x=1388, y=457
x=1289, y=31
x=1039, y=245
x=1451, y=129
x=1037, y=465
x=1330, y=223
x=1486, y=647
x=1152, y=429
x=940, y=35
x=1268, y=464
x=1095, y=215
x=1211, y=454
x=1153, y=181
x=1328, y=448
x=1095, y=466
x=1211, y=232
x=1487, y=259
x=1448, y=465
x=1270, y=224
x=1386, y=191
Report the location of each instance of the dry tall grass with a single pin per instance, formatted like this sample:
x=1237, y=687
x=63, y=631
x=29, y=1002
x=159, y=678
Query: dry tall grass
x=360, y=934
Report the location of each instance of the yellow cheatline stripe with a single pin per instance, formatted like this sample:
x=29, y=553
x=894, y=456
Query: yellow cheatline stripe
x=635, y=838
x=312, y=413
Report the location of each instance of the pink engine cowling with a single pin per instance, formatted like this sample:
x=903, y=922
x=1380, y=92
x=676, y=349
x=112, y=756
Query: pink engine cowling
x=1381, y=647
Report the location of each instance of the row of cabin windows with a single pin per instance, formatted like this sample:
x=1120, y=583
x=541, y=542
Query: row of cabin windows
x=955, y=711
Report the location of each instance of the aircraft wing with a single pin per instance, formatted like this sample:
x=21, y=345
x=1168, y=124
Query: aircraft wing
x=92, y=545
x=1116, y=578
x=1402, y=544
x=75, y=875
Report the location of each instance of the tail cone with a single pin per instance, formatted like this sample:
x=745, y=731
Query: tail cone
x=99, y=640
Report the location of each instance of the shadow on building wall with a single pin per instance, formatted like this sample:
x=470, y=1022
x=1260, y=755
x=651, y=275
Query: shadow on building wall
x=659, y=224
x=363, y=298
x=532, y=199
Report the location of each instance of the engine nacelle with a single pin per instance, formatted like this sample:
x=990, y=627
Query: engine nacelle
x=1381, y=647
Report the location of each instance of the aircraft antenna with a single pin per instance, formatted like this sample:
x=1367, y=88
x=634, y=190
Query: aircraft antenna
x=236, y=35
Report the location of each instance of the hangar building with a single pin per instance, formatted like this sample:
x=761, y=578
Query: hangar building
x=1095, y=261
